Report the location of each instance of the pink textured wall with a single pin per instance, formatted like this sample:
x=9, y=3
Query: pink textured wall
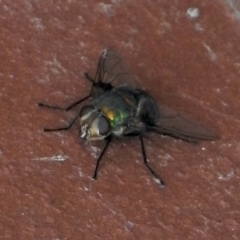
x=186, y=53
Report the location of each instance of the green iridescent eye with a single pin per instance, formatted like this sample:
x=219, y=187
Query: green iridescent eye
x=86, y=110
x=104, y=126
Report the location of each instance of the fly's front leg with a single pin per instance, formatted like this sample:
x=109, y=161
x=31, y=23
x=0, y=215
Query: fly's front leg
x=62, y=128
x=108, y=140
x=64, y=108
x=145, y=161
x=86, y=75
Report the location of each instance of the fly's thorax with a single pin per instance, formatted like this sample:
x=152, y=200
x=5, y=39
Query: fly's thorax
x=94, y=124
x=117, y=105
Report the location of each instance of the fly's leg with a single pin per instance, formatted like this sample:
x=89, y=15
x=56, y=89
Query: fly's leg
x=62, y=128
x=64, y=108
x=98, y=84
x=146, y=162
x=86, y=75
x=91, y=80
x=108, y=140
x=71, y=105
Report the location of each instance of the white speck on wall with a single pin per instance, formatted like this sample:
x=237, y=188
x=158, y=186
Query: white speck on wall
x=224, y=103
x=37, y=23
x=95, y=151
x=82, y=44
x=116, y=1
x=165, y=159
x=55, y=66
x=164, y=27
x=57, y=158
x=80, y=173
x=193, y=12
x=6, y=8
x=107, y=9
x=129, y=225
x=84, y=59
x=213, y=55
x=226, y=177
x=156, y=180
x=235, y=5
x=218, y=90
x=199, y=28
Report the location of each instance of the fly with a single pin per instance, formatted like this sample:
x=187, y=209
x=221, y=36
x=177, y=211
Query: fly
x=117, y=109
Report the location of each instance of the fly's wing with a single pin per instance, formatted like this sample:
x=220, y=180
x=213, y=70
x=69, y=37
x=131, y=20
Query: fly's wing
x=179, y=126
x=111, y=72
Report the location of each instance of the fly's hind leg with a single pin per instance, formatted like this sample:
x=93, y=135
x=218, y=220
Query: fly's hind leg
x=145, y=161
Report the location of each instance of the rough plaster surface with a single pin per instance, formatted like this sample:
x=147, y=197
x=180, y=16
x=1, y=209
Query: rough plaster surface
x=186, y=53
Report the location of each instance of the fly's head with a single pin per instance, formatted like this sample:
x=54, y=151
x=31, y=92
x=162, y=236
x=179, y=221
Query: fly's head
x=94, y=125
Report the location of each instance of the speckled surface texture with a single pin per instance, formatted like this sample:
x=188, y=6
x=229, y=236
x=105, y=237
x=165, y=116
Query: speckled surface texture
x=186, y=53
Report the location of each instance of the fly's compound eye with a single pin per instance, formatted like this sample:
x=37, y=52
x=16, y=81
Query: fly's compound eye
x=104, y=126
x=86, y=110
